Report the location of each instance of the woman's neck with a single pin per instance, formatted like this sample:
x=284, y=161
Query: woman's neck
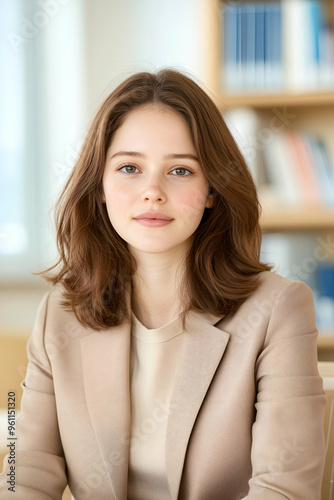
x=156, y=296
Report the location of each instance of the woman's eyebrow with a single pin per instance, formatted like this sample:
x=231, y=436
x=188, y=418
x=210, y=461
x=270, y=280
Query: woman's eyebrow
x=181, y=156
x=171, y=156
x=128, y=153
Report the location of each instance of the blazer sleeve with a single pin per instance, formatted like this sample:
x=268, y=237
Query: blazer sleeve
x=288, y=447
x=39, y=459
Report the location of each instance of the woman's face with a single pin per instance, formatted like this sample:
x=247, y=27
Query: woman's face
x=153, y=184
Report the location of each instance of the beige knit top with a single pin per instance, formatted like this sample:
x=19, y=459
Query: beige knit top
x=153, y=361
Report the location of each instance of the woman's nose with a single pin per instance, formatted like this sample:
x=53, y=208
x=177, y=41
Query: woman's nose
x=154, y=191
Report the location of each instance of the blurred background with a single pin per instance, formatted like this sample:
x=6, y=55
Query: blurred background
x=268, y=65
x=59, y=60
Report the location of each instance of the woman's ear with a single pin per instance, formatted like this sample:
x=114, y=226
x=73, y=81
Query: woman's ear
x=210, y=201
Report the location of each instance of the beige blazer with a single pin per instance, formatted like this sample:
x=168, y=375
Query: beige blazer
x=245, y=420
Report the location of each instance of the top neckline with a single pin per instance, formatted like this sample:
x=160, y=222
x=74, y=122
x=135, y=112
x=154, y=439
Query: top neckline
x=156, y=335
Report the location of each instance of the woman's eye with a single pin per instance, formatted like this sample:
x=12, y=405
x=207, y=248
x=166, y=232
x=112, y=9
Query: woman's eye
x=129, y=169
x=181, y=171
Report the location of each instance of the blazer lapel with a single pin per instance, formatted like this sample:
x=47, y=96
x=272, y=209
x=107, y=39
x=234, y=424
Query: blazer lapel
x=105, y=358
x=203, y=346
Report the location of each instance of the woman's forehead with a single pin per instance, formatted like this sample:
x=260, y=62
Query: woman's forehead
x=150, y=127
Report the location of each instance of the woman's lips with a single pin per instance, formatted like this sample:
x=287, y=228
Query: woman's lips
x=153, y=222
x=152, y=219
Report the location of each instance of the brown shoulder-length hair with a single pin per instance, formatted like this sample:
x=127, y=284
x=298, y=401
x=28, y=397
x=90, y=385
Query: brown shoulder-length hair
x=95, y=266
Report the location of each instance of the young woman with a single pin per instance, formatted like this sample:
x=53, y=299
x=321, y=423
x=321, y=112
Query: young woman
x=169, y=363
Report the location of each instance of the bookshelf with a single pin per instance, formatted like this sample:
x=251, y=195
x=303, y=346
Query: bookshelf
x=267, y=100
x=312, y=109
x=285, y=220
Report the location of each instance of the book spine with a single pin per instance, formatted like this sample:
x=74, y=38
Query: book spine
x=326, y=54
x=259, y=44
x=268, y=49
x=307, y=169
x=328, y=171
x=298, y=44
x=319, y=161
x=324, y=296
x=305, y=180
x=276, y=47
x=281, y=172
x=230, y=67
x=276, y=44
x=249, y=70
x=315, y=13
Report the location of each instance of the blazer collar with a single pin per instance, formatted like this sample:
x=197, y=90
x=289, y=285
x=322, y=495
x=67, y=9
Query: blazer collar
x=203, y=346
x=106, y=358
x=105, y=365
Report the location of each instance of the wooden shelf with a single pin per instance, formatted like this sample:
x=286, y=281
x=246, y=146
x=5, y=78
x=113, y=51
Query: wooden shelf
x=326, y=340
x=312, y=110
x=270, y=100
x=307, y=219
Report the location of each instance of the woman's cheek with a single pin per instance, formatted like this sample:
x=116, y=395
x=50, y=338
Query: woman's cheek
x=117, y=196
x=192, y=207
x=195, y=200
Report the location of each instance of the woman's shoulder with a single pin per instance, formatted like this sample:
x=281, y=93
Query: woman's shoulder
x=278, y=305
x=56, y=326
x=277, y=297
x=275, y=293
x=274, y=284
x=53, y=309
x=53, y=299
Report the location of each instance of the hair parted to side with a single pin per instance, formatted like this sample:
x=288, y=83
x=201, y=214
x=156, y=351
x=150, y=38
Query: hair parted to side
x=95, y=266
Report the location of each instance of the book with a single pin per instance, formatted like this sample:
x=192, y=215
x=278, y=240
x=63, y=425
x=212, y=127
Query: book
x=292, y=256
x=296, y=43
x=322, y=165
x=249, y=69
x=309, y=182
x=326, y=57
x=328, y=167
x=305, y=43
x=299, y=169
x=230, y=71
x=243, y=124
x=272, y=45
x=324, y=296
x=252, y=46
x=325, y=279
x=281, y=171
x=259, y=45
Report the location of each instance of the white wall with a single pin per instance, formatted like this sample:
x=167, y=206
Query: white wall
x=126, y=36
